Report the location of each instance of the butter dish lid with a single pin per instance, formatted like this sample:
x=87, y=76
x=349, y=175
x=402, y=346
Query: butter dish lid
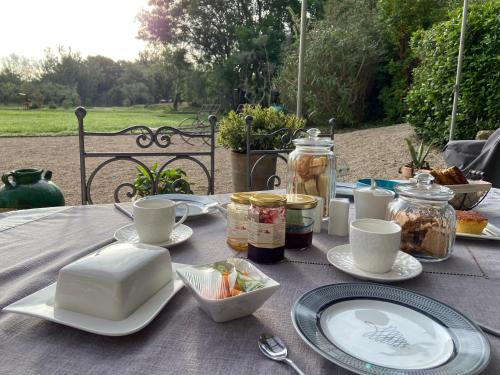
x=114, y=260
x=424, y=188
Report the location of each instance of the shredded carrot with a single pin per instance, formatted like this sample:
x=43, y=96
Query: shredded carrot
x=235, y=292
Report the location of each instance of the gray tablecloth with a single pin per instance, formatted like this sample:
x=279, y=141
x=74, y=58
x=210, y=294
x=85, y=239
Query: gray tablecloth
x=183, y=339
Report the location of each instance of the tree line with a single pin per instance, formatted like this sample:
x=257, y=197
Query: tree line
x=358, y=67
x=65, y=78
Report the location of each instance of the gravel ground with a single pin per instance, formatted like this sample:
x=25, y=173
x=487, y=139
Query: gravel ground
x=377, y=152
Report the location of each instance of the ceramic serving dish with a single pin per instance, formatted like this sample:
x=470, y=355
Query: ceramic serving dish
x=229, y=308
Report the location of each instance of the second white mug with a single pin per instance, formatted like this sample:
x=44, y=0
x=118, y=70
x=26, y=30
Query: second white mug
x=374, y=244
x=154, y=219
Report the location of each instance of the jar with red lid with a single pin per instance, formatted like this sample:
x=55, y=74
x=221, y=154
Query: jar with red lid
x=266, y=228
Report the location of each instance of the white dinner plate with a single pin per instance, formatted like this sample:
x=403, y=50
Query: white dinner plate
x=179, y=235
x=491, y=232
x=377, y=329
x=41, y=305
x=386, y=334
x=405, y=266
x=198, y=204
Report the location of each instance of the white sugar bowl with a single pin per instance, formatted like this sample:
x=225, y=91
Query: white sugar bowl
x=371, y=202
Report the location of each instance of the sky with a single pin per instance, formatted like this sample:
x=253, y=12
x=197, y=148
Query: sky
x=91, y=27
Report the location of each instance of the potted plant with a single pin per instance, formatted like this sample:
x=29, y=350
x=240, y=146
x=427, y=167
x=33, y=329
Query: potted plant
x=417, y=159
x=165, y=178
x=232, y=135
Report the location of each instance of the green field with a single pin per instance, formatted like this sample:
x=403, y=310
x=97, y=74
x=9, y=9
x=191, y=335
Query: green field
x=17, y=122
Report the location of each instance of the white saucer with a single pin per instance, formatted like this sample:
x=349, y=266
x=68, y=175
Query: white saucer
x=41, y=305
x=405, y=267
x=179, y=235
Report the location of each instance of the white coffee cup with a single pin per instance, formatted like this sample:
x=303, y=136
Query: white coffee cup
x=374, y=244
x=154, y=219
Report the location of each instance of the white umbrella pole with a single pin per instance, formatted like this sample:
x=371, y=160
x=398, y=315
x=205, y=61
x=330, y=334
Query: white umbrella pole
x=302, y=40
x=459, y=71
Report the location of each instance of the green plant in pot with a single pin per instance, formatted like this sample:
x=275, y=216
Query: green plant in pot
x=418, y=157
x=232, y=135
x=169, y=181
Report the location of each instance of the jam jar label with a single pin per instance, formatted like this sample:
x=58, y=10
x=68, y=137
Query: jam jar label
x=266, y=227
x=237, y=225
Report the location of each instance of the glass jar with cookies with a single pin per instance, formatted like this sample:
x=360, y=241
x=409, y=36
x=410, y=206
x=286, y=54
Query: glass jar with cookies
x=426, y=218
x=311, y=167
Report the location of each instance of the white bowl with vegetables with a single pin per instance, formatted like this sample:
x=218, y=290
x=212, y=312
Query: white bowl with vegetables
x=229, y=289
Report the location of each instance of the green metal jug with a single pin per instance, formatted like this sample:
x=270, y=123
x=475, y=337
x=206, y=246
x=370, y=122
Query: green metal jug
x=29, y=188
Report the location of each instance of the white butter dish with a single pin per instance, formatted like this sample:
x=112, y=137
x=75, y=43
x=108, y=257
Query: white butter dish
x=114, y=281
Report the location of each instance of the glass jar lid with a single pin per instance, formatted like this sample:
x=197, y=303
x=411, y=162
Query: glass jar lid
x=313, y=139
x=268, y=200
x=300, y=201
x=424, y=188
x=242, y=198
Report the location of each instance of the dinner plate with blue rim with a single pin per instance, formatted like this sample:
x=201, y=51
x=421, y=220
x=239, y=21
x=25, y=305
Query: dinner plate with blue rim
x=370, y=328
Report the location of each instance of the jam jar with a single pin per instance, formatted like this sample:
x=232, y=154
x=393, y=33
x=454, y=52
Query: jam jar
x=311, y=167
x=266, y=228
x=237, y=221
x=299, y=220
x=426, y=218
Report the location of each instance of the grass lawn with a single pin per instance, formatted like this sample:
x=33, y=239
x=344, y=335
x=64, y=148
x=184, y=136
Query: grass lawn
x=17, y=122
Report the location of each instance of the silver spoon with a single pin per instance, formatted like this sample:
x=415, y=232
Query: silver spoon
x=275, y=349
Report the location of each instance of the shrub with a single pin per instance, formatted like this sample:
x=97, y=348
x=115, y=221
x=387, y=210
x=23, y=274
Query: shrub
x=430, y=98
x=166, y=180
x=232, y=130
x=399, y=20
x=341, y=57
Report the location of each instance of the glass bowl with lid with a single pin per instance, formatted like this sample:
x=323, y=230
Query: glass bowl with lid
x=427, y=220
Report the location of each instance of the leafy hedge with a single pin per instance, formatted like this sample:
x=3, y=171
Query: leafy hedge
x=232, y=130
x=430, y=98
x=342, y=54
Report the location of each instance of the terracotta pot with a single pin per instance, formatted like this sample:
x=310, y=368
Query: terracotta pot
x=264, y=169
x=407, y=172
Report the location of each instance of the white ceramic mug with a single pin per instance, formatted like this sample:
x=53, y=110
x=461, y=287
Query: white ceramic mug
x=374, y=244
x=154, y=219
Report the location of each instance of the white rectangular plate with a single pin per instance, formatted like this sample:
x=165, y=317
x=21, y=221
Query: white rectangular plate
x=41, y=305
x=491, y=232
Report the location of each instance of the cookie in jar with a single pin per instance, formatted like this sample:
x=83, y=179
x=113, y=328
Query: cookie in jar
x=311, y=168
x=426, y=218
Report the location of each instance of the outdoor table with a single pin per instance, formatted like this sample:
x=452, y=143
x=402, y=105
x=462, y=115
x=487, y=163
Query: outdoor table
x=35, y=244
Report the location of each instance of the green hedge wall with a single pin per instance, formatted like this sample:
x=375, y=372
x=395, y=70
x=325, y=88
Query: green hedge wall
x=430, y=98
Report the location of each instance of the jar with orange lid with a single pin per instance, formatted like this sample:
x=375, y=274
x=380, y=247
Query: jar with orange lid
x=266, y=228
x=237, y=221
